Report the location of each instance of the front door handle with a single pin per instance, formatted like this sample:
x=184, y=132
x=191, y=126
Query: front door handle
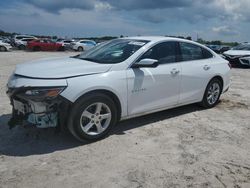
x=206, y=67
x=175, y=71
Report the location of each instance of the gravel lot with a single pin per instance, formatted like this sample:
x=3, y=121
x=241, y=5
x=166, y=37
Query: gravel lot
x=182, y=147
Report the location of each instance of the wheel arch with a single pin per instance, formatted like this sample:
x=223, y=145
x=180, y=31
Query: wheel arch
x=220, y=78
x=80, y=47
x=3, y=47
x=108, y=93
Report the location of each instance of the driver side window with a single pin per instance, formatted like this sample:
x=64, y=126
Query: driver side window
x=164, y=52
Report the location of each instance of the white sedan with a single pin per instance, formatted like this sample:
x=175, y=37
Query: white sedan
x=83, y=45
x=22, y=43
x=89, y=93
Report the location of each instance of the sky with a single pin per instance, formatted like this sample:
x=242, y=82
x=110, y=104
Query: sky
x=227, y=20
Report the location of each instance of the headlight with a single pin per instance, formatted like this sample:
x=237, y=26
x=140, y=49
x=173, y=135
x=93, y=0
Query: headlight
x=40, y=94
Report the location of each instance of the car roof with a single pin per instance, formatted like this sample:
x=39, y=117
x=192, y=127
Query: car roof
x=86, y=40
x=158, y=38
x=28, y=38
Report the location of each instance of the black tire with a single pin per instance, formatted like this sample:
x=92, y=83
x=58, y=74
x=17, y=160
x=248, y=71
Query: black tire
x=22, y=47
x=61, y=49
x=3, y=49
x=80, y=49
x=37, y=48
x=79, y=107
x=205, y=101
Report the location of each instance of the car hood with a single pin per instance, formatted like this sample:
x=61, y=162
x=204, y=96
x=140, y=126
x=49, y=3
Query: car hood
x=55, y=68
x=237, y=52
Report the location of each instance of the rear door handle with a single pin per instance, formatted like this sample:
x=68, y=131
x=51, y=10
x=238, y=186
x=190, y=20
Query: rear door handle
x=206, y=67
x=175, y=71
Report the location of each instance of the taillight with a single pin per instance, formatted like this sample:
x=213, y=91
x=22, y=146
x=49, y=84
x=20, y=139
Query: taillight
x=230, y=66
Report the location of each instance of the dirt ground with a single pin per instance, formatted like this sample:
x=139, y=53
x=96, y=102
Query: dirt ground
x=182, y=147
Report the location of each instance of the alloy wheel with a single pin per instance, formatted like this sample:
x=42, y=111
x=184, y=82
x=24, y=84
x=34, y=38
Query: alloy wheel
x=95, y=119
x=213, y=93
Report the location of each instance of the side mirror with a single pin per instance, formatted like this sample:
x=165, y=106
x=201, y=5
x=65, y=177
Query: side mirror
x=146, y=63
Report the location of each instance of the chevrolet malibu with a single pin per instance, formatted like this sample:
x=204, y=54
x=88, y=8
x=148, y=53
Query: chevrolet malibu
x=124, y=78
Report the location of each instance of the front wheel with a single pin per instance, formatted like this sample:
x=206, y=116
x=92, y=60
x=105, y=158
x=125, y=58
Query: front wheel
x=61, y=48
x=92, y=117
x=212, y=94
x=80, y=49
x=22, y=47
x=3, y=49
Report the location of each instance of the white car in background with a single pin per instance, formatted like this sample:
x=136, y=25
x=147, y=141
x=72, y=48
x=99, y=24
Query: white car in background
x=4, y=46
x=66, y=43
x=83, y=45
x=120, y=79
x=239, y=55
x=19, y=37
x=22, y=43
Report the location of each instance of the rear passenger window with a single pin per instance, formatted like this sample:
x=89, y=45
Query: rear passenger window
x=190, y=52
x=193, y=52
x=164, y=52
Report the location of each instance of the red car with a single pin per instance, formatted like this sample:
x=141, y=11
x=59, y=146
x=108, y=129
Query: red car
x=44, y=45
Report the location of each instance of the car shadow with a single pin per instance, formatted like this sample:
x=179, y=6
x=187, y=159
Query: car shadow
x=129, y=124
x=25, y=141
x=28, y=141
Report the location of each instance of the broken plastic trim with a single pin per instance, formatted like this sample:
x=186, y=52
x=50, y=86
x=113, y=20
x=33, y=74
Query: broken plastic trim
x=52, y=112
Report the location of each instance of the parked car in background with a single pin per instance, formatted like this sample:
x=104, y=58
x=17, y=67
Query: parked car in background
x=219, y=49
x=22, y=43
x=59, y=40
x=66, y=43
x=83, y=45
x=215, y=48
x=19, y=37
x=4, y=46
x=224, y=49
x=239, y=55
x=5, y=40
x=123, y=78
x=44, y=45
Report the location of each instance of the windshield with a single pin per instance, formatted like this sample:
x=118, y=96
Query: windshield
x=242, y=47
x=114, y=51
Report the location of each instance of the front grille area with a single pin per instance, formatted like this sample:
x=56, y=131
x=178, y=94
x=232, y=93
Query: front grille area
x=233, y=60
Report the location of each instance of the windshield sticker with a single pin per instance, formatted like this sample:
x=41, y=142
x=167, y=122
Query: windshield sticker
x=136, y=43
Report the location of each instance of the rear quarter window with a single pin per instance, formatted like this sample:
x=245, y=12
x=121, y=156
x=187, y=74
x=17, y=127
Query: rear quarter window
x=191, y=52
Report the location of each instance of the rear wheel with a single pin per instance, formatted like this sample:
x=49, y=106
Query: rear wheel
x=22, y=47
x=212, y=94
x=61, y=48
x=3, y=49
x=80, y=49
x=92, y=117
x=36, y=48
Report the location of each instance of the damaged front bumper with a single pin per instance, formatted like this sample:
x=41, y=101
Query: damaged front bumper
x=42, y=107
x=238, y=60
